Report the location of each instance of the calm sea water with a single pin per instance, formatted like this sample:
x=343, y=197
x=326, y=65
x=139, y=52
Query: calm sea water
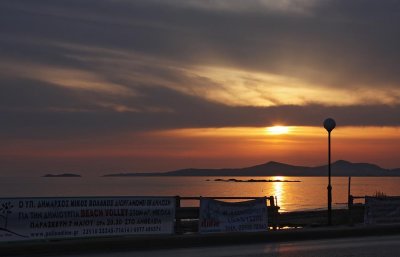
x=310, y=193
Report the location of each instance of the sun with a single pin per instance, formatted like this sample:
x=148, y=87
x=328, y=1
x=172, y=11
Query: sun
x=277, y=130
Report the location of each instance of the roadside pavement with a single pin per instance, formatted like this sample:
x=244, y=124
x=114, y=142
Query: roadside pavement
x=130, y=243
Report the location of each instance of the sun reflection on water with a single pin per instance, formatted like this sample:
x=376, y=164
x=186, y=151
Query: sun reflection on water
x=278, y=189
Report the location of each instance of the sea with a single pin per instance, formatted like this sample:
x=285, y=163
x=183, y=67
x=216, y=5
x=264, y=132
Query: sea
x=310, y=193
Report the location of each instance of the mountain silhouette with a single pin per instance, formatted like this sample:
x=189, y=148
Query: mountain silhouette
x=339, y=168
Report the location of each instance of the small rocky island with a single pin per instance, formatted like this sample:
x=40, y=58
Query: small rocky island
x=64, y=175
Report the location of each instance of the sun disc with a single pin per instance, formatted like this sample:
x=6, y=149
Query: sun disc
x=278, y=130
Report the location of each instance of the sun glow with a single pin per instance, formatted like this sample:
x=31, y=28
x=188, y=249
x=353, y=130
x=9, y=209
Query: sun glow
x=278, y=130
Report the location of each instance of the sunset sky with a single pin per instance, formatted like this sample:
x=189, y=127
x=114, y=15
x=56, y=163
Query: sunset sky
x=96, y=86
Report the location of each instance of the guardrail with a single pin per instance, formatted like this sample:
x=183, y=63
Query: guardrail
x=356, y=210
x=186, y=218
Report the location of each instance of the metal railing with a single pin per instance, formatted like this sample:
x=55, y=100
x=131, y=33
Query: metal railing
x=356, y=210
x=191, y=214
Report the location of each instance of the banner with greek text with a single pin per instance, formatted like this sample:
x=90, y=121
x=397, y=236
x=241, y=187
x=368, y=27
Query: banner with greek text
x=380, y=210
x=48, y=218
x=217, y=216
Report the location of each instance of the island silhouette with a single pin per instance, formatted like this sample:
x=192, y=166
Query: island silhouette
x=63, y=175
x=339, y=168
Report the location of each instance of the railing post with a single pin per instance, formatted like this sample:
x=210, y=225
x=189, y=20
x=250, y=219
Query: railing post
x=350, y=207
x=274, y=212
x=178, y=223
x=277, y=222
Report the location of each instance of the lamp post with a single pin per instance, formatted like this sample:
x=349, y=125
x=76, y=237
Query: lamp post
x=329, y=125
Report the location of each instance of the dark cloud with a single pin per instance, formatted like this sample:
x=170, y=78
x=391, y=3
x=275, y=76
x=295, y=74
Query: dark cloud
x=147, y=45
x=339, y=43
x=72, y=118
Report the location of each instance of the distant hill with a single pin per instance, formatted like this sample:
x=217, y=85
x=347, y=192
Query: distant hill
x=345, y=168
x=339, y=168
x=64, y=175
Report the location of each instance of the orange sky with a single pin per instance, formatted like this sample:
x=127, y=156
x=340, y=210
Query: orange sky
x=208, y=148
x=132, y=86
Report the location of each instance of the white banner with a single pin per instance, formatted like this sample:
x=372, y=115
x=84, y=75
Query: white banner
x=382, y=210
x=47, y=218
x=217, y=216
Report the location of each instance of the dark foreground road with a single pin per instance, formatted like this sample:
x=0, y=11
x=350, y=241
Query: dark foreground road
x=379, y=246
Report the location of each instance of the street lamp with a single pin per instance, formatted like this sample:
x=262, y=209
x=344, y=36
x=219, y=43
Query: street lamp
x=329, y=125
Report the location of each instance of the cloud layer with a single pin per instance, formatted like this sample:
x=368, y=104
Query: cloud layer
x=71, y=68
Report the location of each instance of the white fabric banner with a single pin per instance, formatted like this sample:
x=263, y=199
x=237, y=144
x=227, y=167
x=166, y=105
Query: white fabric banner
x=217, y=216
x=47, y=218
x=379, y=210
